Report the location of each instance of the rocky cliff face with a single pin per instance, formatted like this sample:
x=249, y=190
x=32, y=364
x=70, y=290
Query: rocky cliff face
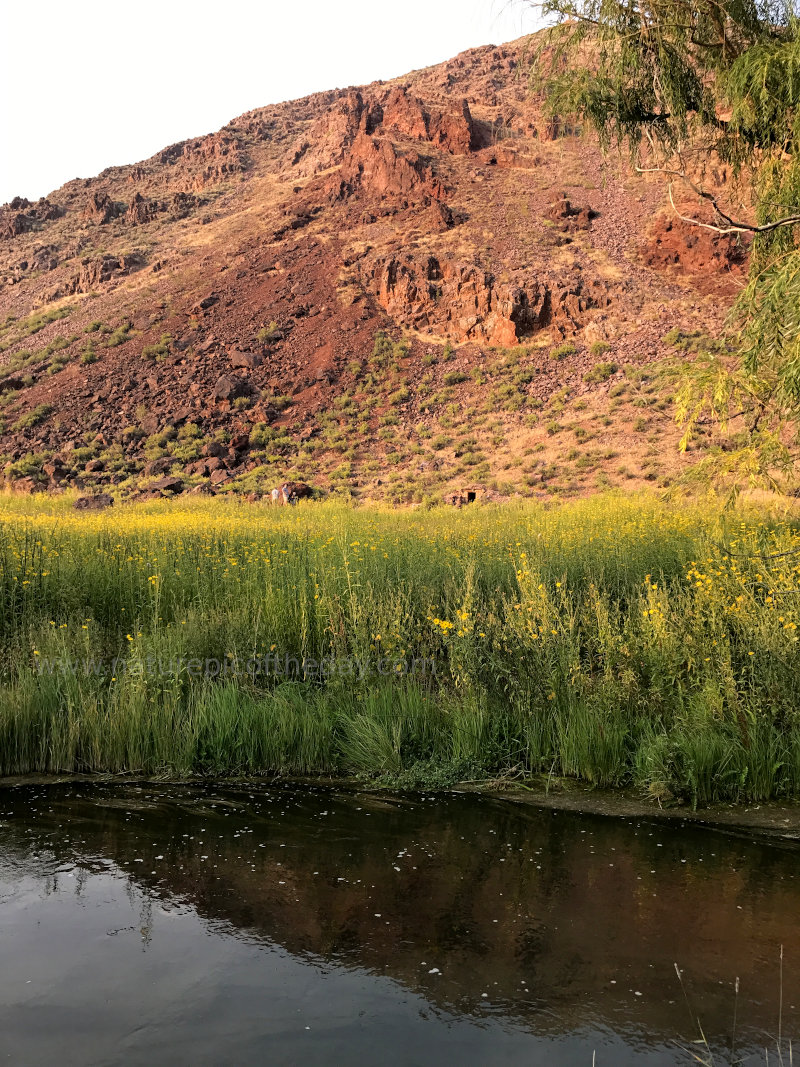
x=241, y=289
x=462, y=302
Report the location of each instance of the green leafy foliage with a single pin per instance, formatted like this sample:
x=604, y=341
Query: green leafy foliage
x=158, y=351
x=684, y=86
x=561, y=351
x=119, y=336
x=600, y=372
x=34, y=417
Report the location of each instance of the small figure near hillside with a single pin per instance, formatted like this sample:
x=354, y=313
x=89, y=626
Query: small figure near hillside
x=291, y=492
x=460, y=497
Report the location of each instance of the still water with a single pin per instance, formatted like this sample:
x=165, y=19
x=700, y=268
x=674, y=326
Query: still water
x=184, y=925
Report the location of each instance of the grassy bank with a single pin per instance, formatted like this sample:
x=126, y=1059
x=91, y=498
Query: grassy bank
x=611, y=640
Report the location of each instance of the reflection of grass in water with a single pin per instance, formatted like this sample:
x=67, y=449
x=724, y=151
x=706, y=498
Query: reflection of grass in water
x=610, y=640
x=706, y=1057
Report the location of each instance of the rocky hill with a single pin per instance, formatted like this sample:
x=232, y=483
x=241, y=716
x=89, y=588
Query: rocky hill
x=401, y=291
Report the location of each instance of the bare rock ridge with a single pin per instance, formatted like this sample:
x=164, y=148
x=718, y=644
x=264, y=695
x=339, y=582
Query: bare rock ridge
x=332, y=134
x=375, y=168
x=21, y=216
x=217, y=316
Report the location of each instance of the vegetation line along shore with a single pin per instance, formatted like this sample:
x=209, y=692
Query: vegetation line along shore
x=618, y=640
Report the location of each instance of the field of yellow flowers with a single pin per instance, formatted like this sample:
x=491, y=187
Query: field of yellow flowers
x=619, y=640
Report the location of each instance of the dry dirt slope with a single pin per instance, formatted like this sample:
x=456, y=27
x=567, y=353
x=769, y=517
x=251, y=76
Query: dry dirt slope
x=394, y=291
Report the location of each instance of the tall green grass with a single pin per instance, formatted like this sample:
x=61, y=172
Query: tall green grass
x=621, y=641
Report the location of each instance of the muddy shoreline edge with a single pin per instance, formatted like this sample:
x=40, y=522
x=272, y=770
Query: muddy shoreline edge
x=776, y=821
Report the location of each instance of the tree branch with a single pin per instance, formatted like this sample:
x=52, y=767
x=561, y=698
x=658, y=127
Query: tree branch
x=733, y=226
x=758, y=555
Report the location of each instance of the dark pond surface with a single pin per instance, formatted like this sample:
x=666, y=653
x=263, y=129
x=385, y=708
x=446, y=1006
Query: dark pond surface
x=181, y=925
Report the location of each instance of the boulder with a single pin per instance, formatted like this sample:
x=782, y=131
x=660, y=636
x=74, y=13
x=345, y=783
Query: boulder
x=151, y=424
x=93, y=503
x=245, y=360
x=207, y=345
x=158, y=466
x=229, y=388
x=200, y=467
x=291, y=492
x=28, y=485
x=568, y=218
x=168, y=484
x=205, y=303
x=54, y=468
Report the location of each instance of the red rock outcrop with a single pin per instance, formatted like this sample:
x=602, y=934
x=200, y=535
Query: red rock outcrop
x=183, y=204
x=142, y=210
x=20, y=216
x=326, y=141
x=13, y=223
x=505, y=156
x=44, y=211
x=405, y=114
x=695, y=250
x=98, y=271
x=461, y=301
x=375, y=168
x=451, y=130
x=100, y=208
x=569, y=218
x=219, y=155
x=42, y=258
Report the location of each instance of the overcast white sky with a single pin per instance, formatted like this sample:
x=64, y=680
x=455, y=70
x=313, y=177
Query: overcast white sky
x=85, y=84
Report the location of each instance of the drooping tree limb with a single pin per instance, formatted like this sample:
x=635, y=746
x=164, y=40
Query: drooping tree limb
x=757, y=555
x=733, y=226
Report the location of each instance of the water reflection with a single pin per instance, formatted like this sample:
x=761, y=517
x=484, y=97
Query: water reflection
x=222, y=925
